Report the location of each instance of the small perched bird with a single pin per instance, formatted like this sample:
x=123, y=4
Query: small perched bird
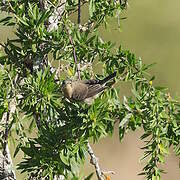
x=80, y=90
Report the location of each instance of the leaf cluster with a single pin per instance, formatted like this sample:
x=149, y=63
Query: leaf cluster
x=63, y=127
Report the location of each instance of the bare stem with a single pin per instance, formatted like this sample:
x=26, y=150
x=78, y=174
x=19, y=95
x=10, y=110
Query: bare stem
x=79, y=11
x=75, y=57
x=94, y=162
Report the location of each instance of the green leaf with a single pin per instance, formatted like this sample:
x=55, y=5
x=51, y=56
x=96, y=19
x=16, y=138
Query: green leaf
x=43, y=17
x=21, y=20
x=163, y=149
x=125, y=120
x=18, y=147
x=89, y=177
x=91, y=8
x=160, y=88
x=64, y=159
x=34, y=49
x=6, y=19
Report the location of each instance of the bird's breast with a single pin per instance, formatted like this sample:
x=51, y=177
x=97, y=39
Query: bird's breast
x=68, y=91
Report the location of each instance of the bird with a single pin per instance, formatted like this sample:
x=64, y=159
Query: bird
x=81, y=90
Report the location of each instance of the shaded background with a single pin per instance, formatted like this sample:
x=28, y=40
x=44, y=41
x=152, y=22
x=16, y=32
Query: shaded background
x=151, y=31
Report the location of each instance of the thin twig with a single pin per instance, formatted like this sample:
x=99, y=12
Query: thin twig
x=108, y=172
x=82, y=4
x=74, y=56
x=79, y=11
x=94, y=162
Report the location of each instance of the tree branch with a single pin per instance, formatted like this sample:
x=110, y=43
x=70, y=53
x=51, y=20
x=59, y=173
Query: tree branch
x=94, y=162
x=6, y=164
x=53, y=20
x=53, y=25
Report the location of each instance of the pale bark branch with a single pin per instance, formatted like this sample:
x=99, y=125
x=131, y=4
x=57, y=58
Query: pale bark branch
x=94, y=161
x=6, y=164
x=52, y=24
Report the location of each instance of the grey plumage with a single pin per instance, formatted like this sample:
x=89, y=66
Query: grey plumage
x=82, y=89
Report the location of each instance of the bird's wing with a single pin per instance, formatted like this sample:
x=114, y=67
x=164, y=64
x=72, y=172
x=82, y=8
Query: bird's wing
x=90, y=81
x=96, y=81
x=80, y=91
x=111, y=76
x=94, y=89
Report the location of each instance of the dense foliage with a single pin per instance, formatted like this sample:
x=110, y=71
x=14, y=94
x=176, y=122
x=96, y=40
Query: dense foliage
x=63, y=128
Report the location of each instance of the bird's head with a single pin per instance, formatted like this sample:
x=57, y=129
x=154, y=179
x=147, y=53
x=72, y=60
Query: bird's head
x=66, y=82
x=67, y=88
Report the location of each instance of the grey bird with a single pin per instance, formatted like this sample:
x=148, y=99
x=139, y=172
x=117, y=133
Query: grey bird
x=81, y=90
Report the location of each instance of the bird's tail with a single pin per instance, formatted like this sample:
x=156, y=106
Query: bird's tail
x=103, y=81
